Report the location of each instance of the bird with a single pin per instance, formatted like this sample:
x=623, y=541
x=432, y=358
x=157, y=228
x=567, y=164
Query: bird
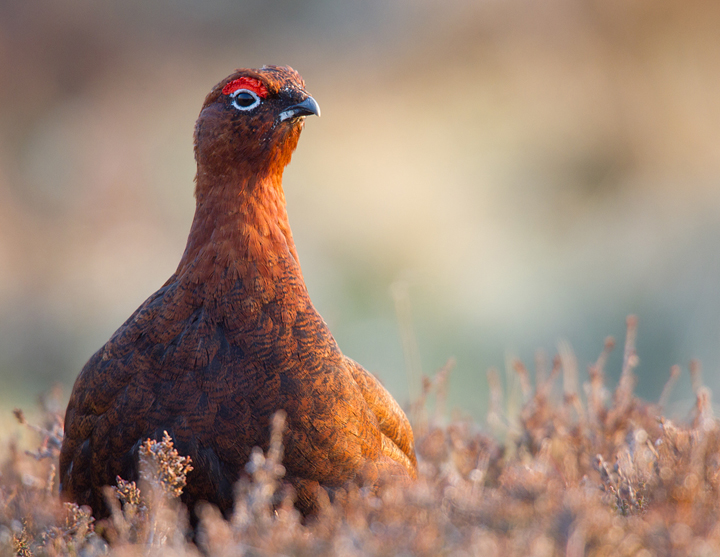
x=232, y=336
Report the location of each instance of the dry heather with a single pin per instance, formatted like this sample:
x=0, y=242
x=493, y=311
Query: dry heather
x=577, y=474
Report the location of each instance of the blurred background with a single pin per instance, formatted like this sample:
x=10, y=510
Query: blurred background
x=506, y=173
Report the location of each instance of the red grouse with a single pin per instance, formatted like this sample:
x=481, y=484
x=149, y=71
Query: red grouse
x=232, y=336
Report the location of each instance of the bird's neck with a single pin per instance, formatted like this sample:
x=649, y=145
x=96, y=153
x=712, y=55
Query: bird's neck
x=240, y=222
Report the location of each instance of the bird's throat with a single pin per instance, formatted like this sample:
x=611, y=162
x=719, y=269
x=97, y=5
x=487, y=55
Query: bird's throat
x=241, y=222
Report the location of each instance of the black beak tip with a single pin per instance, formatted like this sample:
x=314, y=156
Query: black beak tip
x=308, y=107
x=312, y=106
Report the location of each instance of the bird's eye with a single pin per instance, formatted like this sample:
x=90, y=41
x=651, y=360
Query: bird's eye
x=244, y=99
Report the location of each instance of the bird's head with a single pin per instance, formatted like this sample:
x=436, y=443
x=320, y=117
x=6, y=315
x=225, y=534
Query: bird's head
x=251, y=121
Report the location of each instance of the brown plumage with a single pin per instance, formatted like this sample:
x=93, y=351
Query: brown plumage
x=232, y=336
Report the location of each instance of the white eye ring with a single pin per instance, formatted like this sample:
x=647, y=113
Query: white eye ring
x=234, y=97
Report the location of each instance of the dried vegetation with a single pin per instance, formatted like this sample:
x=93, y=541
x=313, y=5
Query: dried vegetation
x=577, y=473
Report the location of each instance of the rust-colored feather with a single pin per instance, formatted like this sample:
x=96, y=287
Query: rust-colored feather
x=232, y=336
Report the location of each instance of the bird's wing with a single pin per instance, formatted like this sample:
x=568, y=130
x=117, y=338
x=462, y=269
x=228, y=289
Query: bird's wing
x=392, y=420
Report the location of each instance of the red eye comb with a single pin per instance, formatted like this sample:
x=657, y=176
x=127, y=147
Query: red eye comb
x=250, y=83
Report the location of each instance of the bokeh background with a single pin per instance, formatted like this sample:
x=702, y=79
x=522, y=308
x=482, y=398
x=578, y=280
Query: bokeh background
x=507, y=173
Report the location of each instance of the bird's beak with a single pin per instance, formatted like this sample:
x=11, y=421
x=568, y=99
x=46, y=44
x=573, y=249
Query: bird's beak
x=306, y=108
